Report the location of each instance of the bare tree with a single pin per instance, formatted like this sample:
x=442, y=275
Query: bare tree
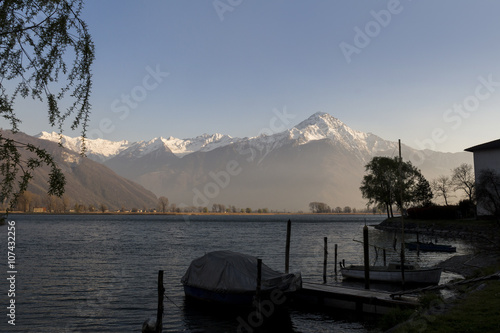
x=103, y=208
x=463, y=179
x=442, y=187
x=319, y=207
x=162, y=204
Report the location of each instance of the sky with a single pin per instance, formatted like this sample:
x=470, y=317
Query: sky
x=426, y=72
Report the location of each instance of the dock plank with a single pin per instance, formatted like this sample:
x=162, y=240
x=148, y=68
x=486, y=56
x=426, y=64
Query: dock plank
x=368, y=301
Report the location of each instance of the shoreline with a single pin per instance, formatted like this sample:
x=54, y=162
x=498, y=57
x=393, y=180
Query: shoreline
x=482, y=233
x=186, y=213
x=484, y=236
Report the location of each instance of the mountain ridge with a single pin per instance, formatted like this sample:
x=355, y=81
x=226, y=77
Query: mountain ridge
x=318, y=126
x=319, y=159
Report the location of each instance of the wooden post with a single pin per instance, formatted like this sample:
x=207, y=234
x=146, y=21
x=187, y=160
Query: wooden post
x=259, y=283
x=402, y=218
x=385, y=262
x=159, y=313
x=418, y=243
x=335, y=260
x=325, y=258
x=287, y=248
x=367, y=257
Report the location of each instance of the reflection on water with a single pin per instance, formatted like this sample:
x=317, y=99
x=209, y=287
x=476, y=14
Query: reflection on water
x=99, y=273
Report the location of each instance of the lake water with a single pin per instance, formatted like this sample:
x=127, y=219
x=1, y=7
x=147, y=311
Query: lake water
x=98, y=273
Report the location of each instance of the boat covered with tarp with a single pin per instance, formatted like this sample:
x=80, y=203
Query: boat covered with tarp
x=229, y=277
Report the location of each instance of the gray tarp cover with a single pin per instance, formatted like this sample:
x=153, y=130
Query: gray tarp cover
x=227, y=271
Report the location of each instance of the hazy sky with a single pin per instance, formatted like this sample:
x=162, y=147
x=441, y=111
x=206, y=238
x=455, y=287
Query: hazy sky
x=426, y=72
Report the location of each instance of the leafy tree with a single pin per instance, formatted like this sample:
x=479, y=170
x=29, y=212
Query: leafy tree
x=378, y=186
x=416, y=189
x=442, y=187
x=388, y=181
x=463, y=179
x=46, y=53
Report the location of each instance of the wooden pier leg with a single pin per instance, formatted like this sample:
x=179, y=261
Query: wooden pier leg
x=325, y=258
x=287, y=248
x=385, y=261
x=159, y=313
x=335, y=260
x=367, y=257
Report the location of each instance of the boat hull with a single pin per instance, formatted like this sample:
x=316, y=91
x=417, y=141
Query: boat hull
x=422, y=276
x=426, y=247
x=227, y=298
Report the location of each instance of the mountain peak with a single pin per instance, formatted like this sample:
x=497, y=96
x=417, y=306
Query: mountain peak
x=321, y=120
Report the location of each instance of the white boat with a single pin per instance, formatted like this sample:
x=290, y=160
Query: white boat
x=392, y=273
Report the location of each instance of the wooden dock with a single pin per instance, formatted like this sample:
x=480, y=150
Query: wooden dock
x=358, y=300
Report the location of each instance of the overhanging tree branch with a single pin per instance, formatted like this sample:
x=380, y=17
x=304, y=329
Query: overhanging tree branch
x=34, y=63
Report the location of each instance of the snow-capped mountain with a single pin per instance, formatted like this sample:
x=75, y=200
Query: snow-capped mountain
x=322, y=126
x=102, y=150
x=320, y=159
x=98, y=149
x=205, y=142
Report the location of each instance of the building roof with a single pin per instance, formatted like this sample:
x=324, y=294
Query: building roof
x=485, y=146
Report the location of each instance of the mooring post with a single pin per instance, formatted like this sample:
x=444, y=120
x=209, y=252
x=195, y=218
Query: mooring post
x=287, y=248
x=418, y=244
x=259, y=283
x=325, y=258
x=335, y=260
x=159, y=313
x=367, y=257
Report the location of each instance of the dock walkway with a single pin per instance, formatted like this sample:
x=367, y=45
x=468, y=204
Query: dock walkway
x=345, y=298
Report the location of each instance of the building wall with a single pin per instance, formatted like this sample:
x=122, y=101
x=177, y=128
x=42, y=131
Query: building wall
x=485, y=159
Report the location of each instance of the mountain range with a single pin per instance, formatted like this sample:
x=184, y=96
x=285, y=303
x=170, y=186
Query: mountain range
x=87, y=182
x=320, y=159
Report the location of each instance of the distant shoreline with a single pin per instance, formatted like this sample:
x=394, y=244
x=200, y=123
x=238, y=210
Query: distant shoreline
x=187, y=213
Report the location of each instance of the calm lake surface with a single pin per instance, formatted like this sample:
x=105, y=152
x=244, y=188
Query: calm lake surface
x=98, y=273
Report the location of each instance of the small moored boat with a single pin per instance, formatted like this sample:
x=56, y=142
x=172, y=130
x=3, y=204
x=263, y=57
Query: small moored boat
x=430, y=247
x=392, y=273
x=227, y=277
